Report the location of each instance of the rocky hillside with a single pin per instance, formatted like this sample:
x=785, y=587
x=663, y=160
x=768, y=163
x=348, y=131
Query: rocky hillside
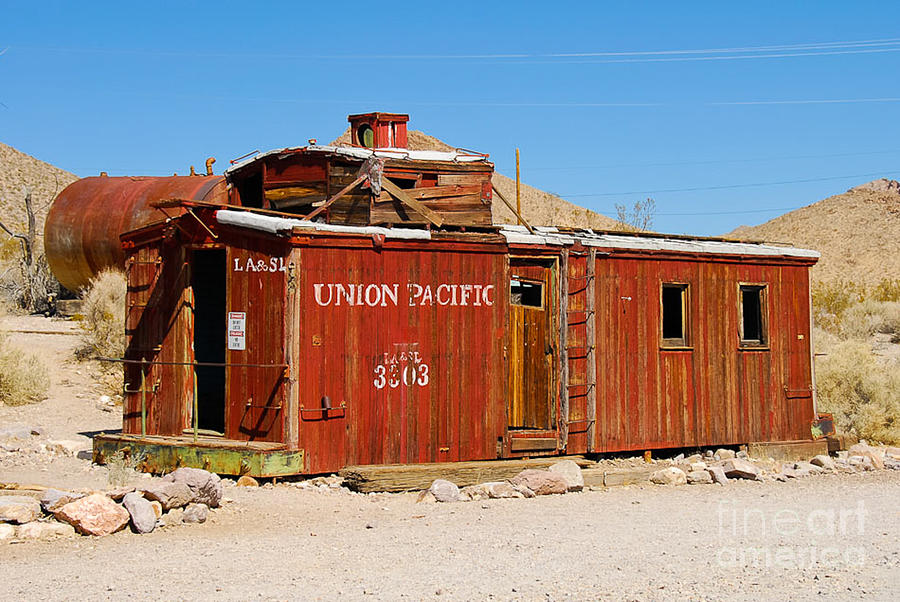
x=857, y=233
x=539, y=208
x=18, y=170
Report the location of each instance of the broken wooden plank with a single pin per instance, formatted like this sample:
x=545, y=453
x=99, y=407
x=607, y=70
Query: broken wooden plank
x=513, y=209
x=359, y=180
x=430, y=192
x=605, y=477
x=411, y=477
x=461, y=179
x=421, y=209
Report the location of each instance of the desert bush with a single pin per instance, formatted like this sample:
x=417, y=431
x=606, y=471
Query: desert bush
x=863, y=395
x=868, y=317
x=103, y=316
x=124, y=468
x=832, y=299
x=23, y=376
x=13, y=288
x=886, y=290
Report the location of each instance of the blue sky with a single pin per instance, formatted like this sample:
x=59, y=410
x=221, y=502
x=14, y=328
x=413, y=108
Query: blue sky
x=602, y=98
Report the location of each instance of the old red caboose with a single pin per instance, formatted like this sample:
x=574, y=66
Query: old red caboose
x=389, y=322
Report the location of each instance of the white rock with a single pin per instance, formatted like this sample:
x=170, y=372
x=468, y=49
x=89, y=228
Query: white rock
x=444, y=491
x=699, y=477
x=738, y=468
x=823, y=461
x=45, y=530
x=718, y=474
x=143, y=514
x=571, y=472
x=195, y=513
x=19, y=509
x=7, y=532
x=669, y=476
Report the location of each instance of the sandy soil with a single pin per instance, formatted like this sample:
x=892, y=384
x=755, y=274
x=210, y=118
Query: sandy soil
x=746, y=541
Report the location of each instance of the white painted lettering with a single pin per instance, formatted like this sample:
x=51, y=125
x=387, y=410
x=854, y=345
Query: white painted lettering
x=415, y=291
x=486, y=295
x=373, y=295
x=427, y=298
x=443, y=287
x=389, y=291
x=317, y=293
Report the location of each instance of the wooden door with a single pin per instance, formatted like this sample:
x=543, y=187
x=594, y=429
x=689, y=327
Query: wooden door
x=532, y=345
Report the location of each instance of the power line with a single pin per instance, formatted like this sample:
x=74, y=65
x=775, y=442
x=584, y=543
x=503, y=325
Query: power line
x=732, y=53
x=706, y=162
x=729, y=186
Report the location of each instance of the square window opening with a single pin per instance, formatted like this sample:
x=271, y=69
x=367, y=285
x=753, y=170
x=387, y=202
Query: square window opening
x=674, y=314
x=527, y=294
x=753, y=326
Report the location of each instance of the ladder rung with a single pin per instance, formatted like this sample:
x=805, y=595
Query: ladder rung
x=588, y=385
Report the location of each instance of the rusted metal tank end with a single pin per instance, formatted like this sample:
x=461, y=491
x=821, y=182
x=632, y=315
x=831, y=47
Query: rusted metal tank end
x=81, y=234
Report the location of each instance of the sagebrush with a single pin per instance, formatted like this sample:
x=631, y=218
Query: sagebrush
x=862, y=393
x=103, y=316
x=103, y=324
x=23, y=376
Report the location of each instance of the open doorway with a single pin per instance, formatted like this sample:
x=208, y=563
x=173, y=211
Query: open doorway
x=208, y=283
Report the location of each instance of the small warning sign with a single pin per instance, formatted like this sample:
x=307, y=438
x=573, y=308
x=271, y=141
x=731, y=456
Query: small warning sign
x=237, y=328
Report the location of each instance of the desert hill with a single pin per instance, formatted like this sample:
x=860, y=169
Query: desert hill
x=539, y=208
x=857, y=233
x=18, y=170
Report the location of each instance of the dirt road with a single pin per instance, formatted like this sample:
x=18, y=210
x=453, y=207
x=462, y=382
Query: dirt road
x=825, y=537
x=746, y=541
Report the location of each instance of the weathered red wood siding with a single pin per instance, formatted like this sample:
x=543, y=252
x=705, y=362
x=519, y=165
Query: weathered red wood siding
x=258, y=272
x=355, y=354
x=156, y=320
x=714, y=392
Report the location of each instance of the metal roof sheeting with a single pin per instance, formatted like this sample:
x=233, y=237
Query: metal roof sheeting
x=353, y=152
x=519, y=235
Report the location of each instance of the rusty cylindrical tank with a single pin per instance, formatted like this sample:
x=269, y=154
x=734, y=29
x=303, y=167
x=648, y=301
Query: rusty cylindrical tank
x=81, y=234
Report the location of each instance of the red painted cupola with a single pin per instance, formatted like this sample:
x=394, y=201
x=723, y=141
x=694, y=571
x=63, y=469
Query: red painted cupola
x=378, y=130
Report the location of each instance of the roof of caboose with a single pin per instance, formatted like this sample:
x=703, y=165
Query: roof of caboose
x=361, y=154
x=543, y=236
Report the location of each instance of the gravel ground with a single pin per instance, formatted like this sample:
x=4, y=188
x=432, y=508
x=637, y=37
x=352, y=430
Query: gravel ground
x=744, y=541
x=635, y=543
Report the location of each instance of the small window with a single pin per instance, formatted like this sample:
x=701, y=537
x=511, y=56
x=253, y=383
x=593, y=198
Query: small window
x=674, y=315
x=753, y=314
x=365, y=135
x=528, y=294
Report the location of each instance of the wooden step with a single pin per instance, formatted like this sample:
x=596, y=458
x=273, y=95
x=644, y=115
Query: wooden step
x=412, y=477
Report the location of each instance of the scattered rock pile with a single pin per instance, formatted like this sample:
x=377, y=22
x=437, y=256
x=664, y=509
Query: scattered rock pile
x=711, y=467
x=725, y=464
x=563, y=477
x=183, y=496
x=21, y=444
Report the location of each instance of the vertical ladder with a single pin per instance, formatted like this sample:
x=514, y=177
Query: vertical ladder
x=578, y=341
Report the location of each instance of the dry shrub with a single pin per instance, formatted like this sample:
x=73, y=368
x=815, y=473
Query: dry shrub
x=23, y=376
x=832, y=299
x=863, y=395
x=886, y=290
x=103, y=322
x=869, y=317
x=103, y=316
